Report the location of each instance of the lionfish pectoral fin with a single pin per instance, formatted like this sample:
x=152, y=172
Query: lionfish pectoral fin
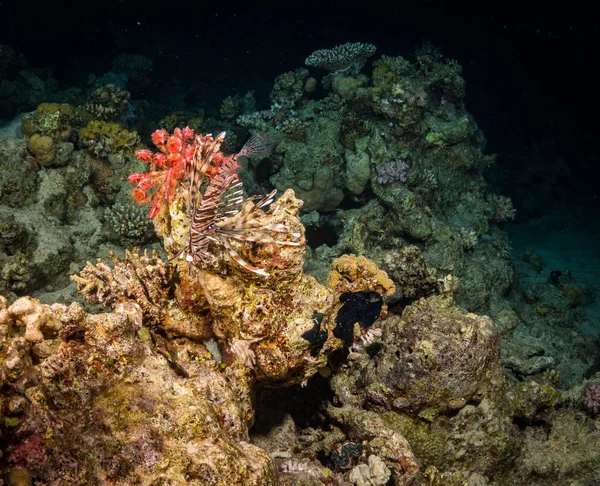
x=259, y=145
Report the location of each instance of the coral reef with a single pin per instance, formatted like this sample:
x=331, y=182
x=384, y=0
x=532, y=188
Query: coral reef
x=52, y=120
x=310, y=167
x=18, y=183
x=371, y=308
x=280, y=322
x=564, y=451
x=278, y=329
x=428, y=383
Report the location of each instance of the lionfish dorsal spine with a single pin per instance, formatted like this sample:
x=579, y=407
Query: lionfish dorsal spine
x=206, y=149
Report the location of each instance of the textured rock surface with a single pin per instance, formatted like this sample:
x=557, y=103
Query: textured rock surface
x=103, y=384
x=435, y=380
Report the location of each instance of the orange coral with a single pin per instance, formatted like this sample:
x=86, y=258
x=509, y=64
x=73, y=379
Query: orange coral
x=174, y=163
x=167, y=167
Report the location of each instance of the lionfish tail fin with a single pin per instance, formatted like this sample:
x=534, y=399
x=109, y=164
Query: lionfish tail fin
x=259, y=145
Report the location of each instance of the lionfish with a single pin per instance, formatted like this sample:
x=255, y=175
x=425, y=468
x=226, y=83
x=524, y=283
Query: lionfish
x=221, y=213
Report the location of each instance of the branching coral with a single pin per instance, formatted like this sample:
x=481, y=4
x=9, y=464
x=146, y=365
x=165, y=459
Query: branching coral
x=108, y=103
x=129, y=223
x=143, y=278
x=392, y=171
x=148, y=281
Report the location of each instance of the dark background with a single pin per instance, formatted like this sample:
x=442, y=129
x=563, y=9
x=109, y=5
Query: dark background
x=531, y=68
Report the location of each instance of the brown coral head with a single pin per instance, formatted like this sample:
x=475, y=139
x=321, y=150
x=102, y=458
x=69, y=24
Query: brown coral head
x=42, y=148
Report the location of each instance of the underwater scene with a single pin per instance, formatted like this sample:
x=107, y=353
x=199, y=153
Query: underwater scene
x=300, y=244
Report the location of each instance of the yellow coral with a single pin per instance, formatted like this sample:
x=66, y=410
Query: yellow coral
x=383, y=77
x=64, y=109
x=354, y=274
x=103, y=138
x=541, y=310
x=42, y=147
x=50, y=119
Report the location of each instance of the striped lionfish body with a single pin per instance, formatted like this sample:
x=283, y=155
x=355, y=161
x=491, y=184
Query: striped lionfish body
x=222, y=214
